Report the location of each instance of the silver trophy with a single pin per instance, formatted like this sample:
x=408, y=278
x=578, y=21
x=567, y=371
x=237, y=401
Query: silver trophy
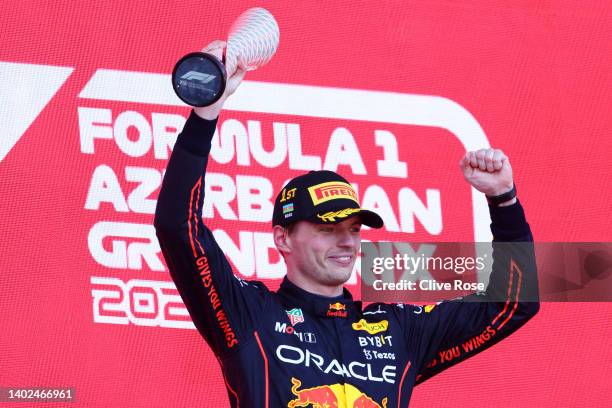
x=199, y=78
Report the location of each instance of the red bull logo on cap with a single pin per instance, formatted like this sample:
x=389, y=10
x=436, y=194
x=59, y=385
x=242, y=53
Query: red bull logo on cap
x=331, y=396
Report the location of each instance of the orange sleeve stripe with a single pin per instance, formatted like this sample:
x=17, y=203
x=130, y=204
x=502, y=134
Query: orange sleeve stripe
x=510, y=280
x=399, y=395
x=227, y=384
x=263, y=354
x=195, y=215
x=513, y=267
x=195, y=255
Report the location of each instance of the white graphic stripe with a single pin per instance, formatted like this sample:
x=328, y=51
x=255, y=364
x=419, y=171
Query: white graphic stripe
x=25, y=90
x=302, y=100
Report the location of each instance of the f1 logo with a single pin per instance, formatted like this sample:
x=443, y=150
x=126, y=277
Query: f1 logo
x=198, y=76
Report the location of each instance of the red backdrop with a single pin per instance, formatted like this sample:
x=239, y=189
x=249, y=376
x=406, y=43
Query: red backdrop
x=389, y=94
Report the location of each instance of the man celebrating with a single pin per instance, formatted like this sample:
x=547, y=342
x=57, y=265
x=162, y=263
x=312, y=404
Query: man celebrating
x=310, y=344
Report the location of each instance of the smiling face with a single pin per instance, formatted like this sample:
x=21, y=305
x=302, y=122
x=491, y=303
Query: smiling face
x=320, y=257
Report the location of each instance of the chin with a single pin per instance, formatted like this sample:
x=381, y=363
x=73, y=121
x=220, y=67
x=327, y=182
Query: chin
x=340, y=277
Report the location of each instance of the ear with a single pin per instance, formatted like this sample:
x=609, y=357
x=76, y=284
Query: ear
x=281, y=239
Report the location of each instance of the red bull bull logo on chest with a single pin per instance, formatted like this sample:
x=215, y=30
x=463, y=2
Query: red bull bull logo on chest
x=331, y=396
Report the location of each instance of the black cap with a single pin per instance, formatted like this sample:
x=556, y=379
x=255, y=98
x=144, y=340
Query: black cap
x=322, y=197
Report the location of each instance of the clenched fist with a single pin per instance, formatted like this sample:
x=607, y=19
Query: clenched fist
x=234, y=79
x=488, y=170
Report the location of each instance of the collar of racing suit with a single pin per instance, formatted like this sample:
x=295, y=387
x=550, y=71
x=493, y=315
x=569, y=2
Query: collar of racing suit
x=331, y=307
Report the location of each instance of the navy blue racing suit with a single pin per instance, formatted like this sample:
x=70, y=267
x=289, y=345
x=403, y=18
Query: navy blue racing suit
x=292, y=348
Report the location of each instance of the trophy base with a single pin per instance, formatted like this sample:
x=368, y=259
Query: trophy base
x=199, y=79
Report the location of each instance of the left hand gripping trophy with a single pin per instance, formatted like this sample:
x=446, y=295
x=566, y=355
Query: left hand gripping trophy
x=199, y=78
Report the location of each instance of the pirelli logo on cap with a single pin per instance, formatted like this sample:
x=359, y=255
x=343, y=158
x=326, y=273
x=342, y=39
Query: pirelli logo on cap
x=332, y=190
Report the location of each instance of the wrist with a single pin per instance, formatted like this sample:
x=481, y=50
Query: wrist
x=209, y=112
x=507, y=203
x=504, y=199
x=500, y=190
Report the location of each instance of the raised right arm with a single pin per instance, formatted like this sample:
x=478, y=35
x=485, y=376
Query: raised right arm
x=223, y=307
